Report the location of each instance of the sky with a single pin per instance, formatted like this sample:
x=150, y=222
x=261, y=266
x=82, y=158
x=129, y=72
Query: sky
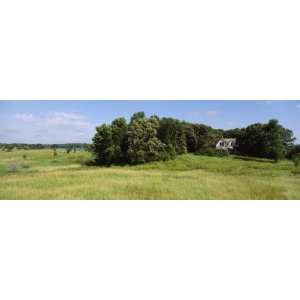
x=56, y=121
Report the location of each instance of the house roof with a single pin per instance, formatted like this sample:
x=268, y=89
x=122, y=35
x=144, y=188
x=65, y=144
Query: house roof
x=228, y=140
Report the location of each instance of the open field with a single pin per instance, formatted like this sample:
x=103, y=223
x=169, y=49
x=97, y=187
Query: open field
x=41, y=176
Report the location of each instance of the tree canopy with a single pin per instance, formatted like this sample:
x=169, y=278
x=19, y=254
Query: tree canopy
x=146, y=139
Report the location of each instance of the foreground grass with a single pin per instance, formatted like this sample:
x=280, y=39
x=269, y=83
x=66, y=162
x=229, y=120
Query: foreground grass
x=186, y=177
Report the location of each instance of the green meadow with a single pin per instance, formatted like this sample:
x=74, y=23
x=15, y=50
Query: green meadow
x=37, y=174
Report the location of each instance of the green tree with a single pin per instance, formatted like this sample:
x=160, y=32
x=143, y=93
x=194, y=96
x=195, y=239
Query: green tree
x=9, y=148
x=103, y=146
x=173, y=132
x=269, y=140
x=54, y=148
x=69, y=149
x=119, y=136
x=137, y=115
x=293, y=151
x=143, y=144
x=296, y=160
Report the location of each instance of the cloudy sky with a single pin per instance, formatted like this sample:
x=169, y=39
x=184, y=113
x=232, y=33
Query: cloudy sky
x=75, y=121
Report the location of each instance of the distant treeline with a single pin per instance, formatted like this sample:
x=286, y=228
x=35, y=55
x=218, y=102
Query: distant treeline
x=146, y=139
x=11, y=146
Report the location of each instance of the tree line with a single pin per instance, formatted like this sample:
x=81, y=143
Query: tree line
x=145, y=139
x=22, y=146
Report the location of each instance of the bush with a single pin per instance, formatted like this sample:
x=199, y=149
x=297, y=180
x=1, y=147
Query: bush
x=209, y=151
x=9, y=148
x=221, y=153
x=13, y=166
x=296, y=172
x=69, y=149
x=25, y=166
x=296, y=160
x=294, y=151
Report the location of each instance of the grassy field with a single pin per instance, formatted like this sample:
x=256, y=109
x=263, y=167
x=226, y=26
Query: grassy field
x=38, y=175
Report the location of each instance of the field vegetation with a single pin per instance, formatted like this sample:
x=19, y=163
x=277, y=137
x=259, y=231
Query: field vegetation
x=39, y=174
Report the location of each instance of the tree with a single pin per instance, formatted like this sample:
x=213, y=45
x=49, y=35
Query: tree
x=296, y=160
x=137, y=115
x=69, y=149
x=54, y=150
x=119, y=136
x=172, y=132
x=103, y=146
x=293, y=151
x=206, y=137
x=275, y=146
x=9, y=148
x=191, y=137
x=269, y=140
x=143, y=144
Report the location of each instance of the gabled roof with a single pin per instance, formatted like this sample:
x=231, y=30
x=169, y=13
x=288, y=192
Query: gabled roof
x=228, y=140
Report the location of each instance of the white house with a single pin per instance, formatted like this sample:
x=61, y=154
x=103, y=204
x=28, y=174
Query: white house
x=226, y=144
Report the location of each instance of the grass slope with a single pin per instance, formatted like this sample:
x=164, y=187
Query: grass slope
x=41, y=176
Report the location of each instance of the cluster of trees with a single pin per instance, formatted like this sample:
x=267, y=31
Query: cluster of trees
x=270, y=140
x=146, y=139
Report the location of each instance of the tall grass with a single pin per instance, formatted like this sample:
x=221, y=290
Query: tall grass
x=186, y=177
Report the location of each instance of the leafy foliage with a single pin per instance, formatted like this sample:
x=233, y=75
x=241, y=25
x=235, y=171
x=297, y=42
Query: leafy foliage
x=172, y=132
x=151, y=139
x=269, y=140
x=293, y=151
x=143, y=144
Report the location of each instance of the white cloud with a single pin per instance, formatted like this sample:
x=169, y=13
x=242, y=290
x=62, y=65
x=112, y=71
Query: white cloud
x=24, y=117
x=67, y=119
x=53, y=127
x=55, y=118
x=195, y=113
x=212, y=113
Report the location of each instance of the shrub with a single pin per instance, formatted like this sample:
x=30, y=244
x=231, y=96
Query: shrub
x=69, y=149
x=25, y=166
x=14, y=166
x=296, y=160
x=296, y=171
x=9, y=148
x=209, y=151
x=221, y=152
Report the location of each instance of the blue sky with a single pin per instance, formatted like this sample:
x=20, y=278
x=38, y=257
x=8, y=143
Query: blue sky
x=75, y=121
